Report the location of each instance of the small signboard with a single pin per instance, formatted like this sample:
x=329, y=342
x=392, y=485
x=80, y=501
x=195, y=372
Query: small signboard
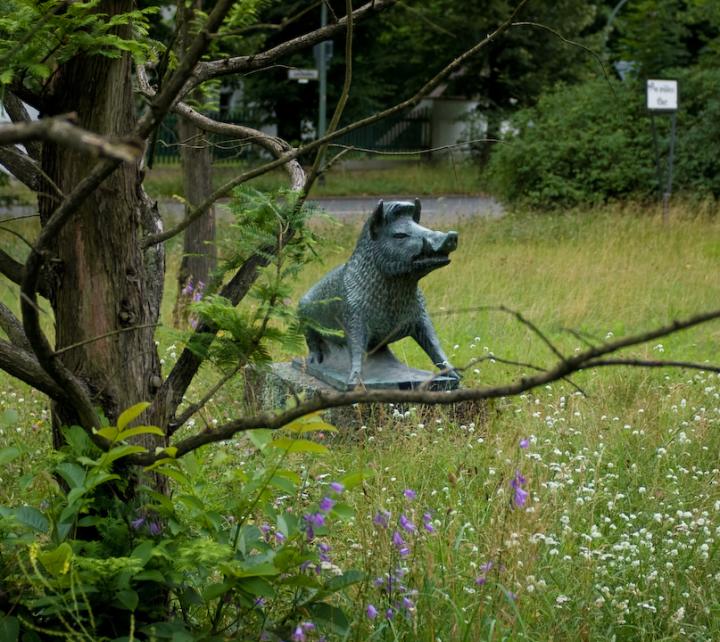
x=303, y=74
x=662, y=95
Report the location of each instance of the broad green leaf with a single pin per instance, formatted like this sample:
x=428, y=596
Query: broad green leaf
x=220, y=458
x=289, y=474
x=286, y=523
x=257, y=587
x=317, y=426
x=27, y=516
x=131, y=413
x=261, y=437
x=69, y=511
x=161, y=499
x=355, y=479
x=216, y=590
x=302, y=580
x=283, y=484
x=55, y=561
x=143, y=552
x=128, y=598
x=161, y=462
x=190, y=463
x=123, y=451
x=266, y=568
x=76, y=492
x=297, y=425
x=8, y=418
x=241, y=475
x=73, y=474
x=109, y=432
x=150, y=576
x=9, y=626
x=8, y=454
x=338, y=582
x=299, y=446
x=330, y=617
x=139, y=430
x=175, y=474
x=342, y=510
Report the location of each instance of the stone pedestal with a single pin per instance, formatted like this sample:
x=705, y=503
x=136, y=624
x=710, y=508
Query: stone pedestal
x=269, y=390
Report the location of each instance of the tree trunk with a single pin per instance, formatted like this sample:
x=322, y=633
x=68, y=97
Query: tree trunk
x=99, y=276
x=198, y=253
x=197, y=180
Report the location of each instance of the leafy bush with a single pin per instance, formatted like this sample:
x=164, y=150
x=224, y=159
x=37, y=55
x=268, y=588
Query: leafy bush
x=591, y=144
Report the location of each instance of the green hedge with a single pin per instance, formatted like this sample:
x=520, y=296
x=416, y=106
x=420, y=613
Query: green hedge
x=585, y=145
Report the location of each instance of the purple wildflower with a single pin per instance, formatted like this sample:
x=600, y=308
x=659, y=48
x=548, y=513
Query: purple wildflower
x=326, y=504
x=404, y=550
x=138, y=523
x=486, y=567
x=408, y=603
x=397, y=539
x=378, y=581
x=371, y=611
x=316, y=519
x=324, y=547
x=410, y=494
x=308, y=626
x=264, y=528
x=260, y=601
x=406, y=524
x=520, y=496
x=305, y=564
x=381, y=518
x=389, y=614
x=524, y=443
x=155, y=528
x=280, y=537
x=298, y=635
x=337, y=487
x=480, y=580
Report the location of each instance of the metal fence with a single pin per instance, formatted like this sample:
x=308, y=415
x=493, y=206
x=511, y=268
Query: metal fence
x=403, y=133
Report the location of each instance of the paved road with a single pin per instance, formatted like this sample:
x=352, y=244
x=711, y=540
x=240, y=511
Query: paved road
x=441, y=209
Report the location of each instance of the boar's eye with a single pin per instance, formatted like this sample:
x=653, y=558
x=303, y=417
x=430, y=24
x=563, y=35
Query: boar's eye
x=400, y=235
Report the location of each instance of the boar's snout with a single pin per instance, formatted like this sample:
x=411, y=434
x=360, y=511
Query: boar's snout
x=439, y=243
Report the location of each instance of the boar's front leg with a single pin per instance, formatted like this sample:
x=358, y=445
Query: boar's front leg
x=356, y=335
x=426, y=337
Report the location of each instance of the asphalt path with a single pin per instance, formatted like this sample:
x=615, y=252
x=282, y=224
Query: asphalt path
x=435, y=209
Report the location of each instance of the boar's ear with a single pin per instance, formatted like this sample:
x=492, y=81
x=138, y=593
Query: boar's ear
x=416, y=213
x=376, y=221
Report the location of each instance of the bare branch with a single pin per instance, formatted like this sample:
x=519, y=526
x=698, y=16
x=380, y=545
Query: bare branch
x=20, y=165
x=18, y=114
x=61, y=130
x=651, y=363
x=13, y=328
x=105, y=336
x=561, y=370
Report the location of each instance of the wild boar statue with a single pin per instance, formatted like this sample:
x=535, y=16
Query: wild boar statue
x=374, y=299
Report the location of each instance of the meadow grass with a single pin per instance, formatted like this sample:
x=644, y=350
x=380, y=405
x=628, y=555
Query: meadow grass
x=618, y=536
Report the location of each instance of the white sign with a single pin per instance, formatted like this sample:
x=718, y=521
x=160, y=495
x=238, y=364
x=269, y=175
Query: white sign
x=303, y=74
x=662, y=95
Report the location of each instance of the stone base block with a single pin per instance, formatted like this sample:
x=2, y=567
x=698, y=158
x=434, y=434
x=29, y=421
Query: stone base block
x=270, y=389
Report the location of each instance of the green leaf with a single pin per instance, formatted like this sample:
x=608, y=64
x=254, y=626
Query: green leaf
x=73, y=474
x=123, y=451
x=131, y=413
x=152, y=575
x=68, y=512
x=190, y=463
x=139, y=430
x=74, y=494
x=8, y=454
x=330, y=617
x=54, y=561
x=342, y=510
x=299, y=446
x=216, y=590
x=175, y=474
x=261, y=437
x=289, y=474
x=161, y=499
x=283, y=484
x=143, y=552
x=27, y=516
x=9, y=627
x=348, y=578
x=257, y=587
x=128, y=598
x=109, y=432
x=354, y=479
x=220, y=458
x=318, y=425
x=302, y=580
x=8, y=417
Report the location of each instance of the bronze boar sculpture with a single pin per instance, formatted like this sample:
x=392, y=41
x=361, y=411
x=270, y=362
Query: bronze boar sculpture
x=374, y=299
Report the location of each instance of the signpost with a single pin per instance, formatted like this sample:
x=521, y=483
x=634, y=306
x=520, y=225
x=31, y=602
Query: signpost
x=663, y=97
x=303, y=75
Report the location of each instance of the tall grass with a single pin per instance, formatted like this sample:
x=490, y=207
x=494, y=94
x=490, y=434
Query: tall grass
x=618, y=538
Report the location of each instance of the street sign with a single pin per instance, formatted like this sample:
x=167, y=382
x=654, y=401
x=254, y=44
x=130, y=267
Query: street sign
x=303, y=74
x=662, y=95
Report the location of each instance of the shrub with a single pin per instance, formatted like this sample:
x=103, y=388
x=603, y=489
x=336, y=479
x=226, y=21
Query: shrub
x=592, y=143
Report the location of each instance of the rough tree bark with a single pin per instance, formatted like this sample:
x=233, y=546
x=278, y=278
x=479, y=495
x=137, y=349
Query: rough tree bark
x=99, y=279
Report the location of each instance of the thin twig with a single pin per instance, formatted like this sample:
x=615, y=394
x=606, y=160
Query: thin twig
x=105, y=336
x=651, y=363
